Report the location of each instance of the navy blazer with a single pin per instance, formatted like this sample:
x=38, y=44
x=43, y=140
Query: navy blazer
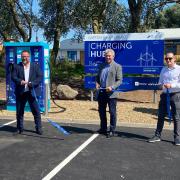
x=35, y=77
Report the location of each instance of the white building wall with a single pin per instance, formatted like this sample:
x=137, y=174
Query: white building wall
x=62, y=54
x=78, y=55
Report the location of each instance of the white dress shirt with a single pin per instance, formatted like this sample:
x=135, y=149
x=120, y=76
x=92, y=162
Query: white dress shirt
x=26, y=75
x=171, y=76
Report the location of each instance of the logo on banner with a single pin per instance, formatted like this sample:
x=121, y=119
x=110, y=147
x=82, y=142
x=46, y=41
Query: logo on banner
x=146, y=59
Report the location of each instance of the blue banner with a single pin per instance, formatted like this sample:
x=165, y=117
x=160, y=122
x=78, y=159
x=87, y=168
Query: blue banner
x=129, y=83
x=138, y=53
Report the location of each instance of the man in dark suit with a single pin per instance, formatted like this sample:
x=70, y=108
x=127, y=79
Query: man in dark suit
x=108, y=79
x=27, y=77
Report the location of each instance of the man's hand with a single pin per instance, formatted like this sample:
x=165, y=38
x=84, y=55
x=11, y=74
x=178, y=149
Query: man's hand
x=97, y=86
x=109, y=89
x=168, y=85
x=24, y=82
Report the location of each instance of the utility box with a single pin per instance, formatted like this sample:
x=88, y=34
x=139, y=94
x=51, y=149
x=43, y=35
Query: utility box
x=39, y=53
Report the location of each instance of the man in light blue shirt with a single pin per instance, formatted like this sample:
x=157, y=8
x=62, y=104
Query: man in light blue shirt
x=169, y=80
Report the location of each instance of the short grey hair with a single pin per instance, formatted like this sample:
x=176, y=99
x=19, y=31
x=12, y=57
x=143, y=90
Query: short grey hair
x=109, y=50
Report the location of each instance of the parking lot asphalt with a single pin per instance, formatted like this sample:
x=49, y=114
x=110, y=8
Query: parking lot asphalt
x=128, y=155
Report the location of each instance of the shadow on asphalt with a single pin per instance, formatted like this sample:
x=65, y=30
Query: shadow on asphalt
x=8, y=129
x=78, y=130
x=132, y=136
x=26, y=132
x=137, y=137
x=146, y=110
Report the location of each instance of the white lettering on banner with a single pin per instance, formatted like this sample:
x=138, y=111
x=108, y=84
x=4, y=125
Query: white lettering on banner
x=153, y=84
x=145, y=84
x=114, y=45
x=95, y=47
x=97, y=54
x=124, y=36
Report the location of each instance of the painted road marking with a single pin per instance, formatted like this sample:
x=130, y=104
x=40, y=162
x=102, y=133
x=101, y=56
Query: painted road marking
x=69, y=158
x=8, y=123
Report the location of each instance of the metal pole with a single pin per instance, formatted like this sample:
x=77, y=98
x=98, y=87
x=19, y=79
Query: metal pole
x=92, y=95
x=155, y=96
x=46, y=98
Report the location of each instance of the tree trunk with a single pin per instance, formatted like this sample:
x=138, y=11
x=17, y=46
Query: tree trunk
x=97, y=25
x=57, y=33
x=55, y=49
x=135, y=10
x=12, y=6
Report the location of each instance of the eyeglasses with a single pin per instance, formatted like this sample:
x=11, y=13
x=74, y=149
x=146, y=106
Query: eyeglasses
x=168, y=58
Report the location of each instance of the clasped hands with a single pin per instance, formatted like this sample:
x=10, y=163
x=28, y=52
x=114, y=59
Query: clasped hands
x=26, y=82
x=167, y=85
x=108, y=89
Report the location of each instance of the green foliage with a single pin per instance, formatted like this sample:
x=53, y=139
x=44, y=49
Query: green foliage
x=55, y=16
x=169, y=18
x=2, y=71
x=7, y=27
x=105, y=16
x=117, y=19
x=144, y=12
x=65, y=70
x=17, y=19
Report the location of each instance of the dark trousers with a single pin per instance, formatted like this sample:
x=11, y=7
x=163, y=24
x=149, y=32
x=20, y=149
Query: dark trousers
x=103, y=100
x=175, y=111
x=20, y=105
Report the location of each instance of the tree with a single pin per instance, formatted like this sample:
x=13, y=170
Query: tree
x=169, y=18
x=117, y=19
x=99, y=16
x=22, y=14
x=55, y=18
x=7, y=28
x=143, y=13
x=16, y=19
x=91, y=14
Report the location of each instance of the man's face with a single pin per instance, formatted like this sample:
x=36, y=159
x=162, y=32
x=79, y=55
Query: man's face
x=170, y=59
x=109, y=57
x=25, y=58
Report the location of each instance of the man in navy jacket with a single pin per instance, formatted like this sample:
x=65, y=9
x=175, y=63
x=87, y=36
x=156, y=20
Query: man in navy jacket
x=27, y=77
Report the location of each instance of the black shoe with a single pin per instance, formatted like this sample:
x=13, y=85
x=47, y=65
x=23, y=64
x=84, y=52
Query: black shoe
x=111, y=134
x=18, y=131
x=154, y=139
x=177, y=141
x=39, y=131
x=102, y=131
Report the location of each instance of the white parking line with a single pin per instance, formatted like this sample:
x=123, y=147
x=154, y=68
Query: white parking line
x=69, y=158
x=8, y=123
